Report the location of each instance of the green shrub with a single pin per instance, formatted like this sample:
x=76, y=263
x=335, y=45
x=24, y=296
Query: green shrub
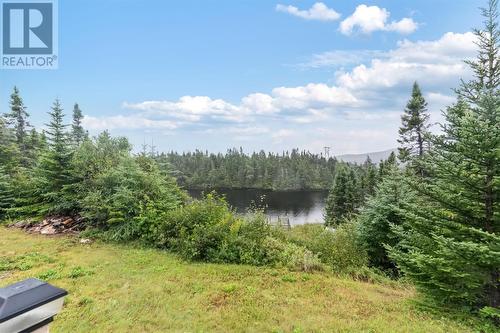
x=79, y=271
x=291, y=256
x=491, y=313
x=50, y=274
x=208, y=230
x=129, y=194
x=337, y=248
x=345, y=254
x=246, y=241
x=305, y=234
x=197, y=230
x=24, y=262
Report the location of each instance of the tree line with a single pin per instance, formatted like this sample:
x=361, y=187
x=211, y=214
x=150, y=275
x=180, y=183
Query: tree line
x=290, y=170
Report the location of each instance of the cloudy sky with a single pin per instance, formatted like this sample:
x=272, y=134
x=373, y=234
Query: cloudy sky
x=257, y=74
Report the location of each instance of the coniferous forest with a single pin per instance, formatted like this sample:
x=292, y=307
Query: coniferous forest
x=430, y=215
x=295, y=170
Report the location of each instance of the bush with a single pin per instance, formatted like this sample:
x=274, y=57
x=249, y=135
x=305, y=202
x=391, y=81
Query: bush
x=208, y=230
x=246, y=241
x=198, y=230
x=124, y=195
x=338, y=248
x=292, y=256
x=344, y=254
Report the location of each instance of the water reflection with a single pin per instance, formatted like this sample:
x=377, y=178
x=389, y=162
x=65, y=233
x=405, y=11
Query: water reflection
x=300, y=207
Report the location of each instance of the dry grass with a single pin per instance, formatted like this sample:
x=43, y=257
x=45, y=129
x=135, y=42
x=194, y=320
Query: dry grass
x=125, y=289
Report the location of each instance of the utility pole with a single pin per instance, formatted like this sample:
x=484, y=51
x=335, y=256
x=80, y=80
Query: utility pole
x=144, y=148
x=327, y=152
x=152, y=148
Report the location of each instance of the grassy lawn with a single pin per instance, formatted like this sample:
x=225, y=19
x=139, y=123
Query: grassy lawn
x=125, y=289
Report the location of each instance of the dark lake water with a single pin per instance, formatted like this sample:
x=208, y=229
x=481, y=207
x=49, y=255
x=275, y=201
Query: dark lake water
x=300, y=207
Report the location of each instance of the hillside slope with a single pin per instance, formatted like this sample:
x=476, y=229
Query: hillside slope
x=124, y=289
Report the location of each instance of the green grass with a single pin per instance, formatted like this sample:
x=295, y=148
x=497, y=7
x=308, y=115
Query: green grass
x=127, y=289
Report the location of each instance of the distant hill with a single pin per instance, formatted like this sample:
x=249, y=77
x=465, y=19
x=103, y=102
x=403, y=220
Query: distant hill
x=376, y=157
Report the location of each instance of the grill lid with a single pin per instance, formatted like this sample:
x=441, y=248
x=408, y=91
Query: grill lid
x=26, y=295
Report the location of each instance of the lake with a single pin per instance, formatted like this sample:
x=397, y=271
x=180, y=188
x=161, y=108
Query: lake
x=301, y=207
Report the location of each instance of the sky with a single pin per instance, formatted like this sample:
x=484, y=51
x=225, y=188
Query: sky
x=272, y=75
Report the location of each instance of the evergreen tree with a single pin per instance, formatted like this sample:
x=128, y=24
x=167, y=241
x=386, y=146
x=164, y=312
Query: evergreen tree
x=386, y=166
x=413, y=134
x=486, y=66
x=450, y=247
x=369, y=178
x=34, y=146
x=54, y=170
x=7, y=195
x=18, y=117
x=78, y=134
x=343, y=198
x=9, y=152
x=382, y=211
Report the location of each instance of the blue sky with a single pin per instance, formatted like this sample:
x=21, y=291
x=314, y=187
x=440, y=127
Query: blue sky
x=257, y=74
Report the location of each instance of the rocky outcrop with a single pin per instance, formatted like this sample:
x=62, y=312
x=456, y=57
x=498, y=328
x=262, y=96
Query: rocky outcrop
x=52, y=225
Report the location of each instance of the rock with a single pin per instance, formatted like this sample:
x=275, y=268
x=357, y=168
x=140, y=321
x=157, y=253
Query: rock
x=23, y=224
x=20, y=224
x=52, y=225
x=85, y=241
x=48, y=230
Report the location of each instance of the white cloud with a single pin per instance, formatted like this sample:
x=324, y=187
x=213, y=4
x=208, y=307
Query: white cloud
x=312, y=117
x=282, y=134
x=190, y=108
x=128, y=122
x=248, y=130
x=371, y=92
x=313, y=95
x=439, y=102
x=451, y=48
x=372, y=115
x=387, y=74
x=259, y=103
x=433, y=63
x=440, y=99
x=339, y=58
x=301, y=104
x=361, y=140
x=319, y=11
x=368, y=19
x=404, y=26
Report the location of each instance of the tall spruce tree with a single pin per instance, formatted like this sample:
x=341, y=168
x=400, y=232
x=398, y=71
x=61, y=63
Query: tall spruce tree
x=413, y=133
x=450, y=247
x=486, y=66
x=77, y=132
x=343, y=198
x=9, y=151
x=54, y=171
x=18, y=118
x=369, y=178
